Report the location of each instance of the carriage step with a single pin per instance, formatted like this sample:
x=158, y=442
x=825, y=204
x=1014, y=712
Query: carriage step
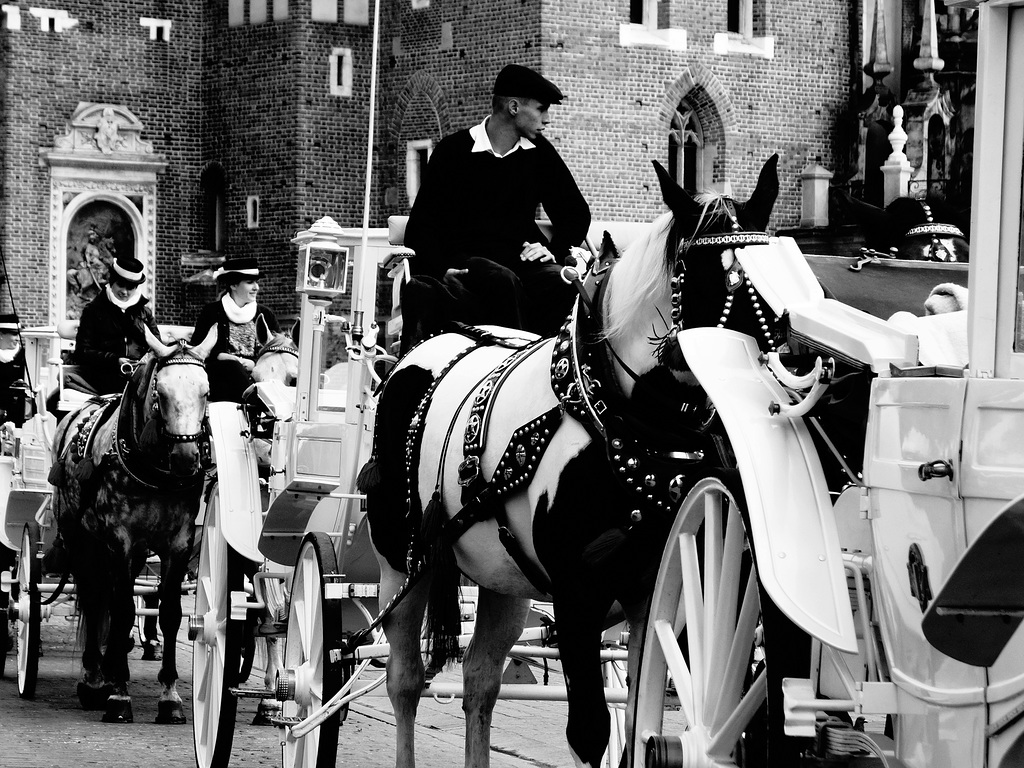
x=285, y=722
x=252, y=693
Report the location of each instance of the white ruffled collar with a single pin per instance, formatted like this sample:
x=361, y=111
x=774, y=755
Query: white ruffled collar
x=133, y=298
x=237, y=314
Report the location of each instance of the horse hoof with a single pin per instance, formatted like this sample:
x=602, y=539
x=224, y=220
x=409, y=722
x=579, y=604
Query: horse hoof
x=92, y=697
x=169, y=713
x=119, y=710
x=151, y=651
x=265, y=711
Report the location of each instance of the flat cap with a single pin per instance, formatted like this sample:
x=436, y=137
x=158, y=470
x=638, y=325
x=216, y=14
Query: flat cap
x=517, y=80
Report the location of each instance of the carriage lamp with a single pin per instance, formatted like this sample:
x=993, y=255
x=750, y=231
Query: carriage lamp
x=323, y=261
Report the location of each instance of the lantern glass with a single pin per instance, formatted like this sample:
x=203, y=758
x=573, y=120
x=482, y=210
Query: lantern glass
x=325, y=269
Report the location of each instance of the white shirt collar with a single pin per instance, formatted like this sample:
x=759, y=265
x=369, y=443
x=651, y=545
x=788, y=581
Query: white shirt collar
x=481, y=142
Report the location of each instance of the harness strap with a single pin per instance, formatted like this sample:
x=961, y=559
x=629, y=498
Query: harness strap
x=474, y=437
x=413, y=444
x=516, y=468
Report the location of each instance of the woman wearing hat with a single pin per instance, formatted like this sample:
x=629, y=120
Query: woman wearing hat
x=110, y=335
x=13, y=389
x=236, y=314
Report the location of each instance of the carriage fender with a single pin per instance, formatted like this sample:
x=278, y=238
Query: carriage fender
x=793, y=530
x=238, y=488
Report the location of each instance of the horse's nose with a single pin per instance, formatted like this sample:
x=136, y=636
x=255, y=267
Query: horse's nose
x=184, y=460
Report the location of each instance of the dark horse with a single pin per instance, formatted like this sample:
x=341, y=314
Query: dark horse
x=128, y=474
x=908, y=228
x=553, y=467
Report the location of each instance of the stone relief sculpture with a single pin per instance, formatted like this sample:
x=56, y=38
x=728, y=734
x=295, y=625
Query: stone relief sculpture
x=107, y=138
x=96, y=235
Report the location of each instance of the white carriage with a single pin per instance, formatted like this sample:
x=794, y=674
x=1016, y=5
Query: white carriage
x=29, y=597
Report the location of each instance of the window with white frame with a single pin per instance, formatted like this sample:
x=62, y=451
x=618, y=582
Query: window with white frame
x=159, y=29
x=686, y=149
x=341, y=72
x=417, y=153
x=644, y=28
x=745, y=23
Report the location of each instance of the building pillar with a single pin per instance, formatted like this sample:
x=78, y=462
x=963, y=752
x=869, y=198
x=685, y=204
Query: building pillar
x=814, y=180
x=896, y=169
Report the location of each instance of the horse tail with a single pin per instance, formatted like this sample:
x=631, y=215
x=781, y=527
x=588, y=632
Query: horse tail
x=444, y=613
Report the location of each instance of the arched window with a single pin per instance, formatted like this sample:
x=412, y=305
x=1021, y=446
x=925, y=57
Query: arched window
x=213, y=190
x=686, y=149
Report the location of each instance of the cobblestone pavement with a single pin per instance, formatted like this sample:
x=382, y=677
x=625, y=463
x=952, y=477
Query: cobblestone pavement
x=52, y=730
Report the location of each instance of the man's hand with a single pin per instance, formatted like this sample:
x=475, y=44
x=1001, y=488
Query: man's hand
x=456, y=272
x=536, y=252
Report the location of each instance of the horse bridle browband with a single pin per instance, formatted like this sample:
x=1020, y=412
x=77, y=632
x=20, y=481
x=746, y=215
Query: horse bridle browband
x=737, y=238
x=279, y=347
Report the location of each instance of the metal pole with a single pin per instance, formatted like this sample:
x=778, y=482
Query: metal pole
x=358, y=300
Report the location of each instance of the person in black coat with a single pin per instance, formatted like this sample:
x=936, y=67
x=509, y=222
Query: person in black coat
x=473, y=225
x=110, y=335
x=13, y=389
x=235, y=314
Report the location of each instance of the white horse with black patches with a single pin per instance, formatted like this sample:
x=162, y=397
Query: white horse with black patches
x=552, y=468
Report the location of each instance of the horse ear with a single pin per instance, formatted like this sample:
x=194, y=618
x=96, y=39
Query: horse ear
x=608, y=249
x=296, y=331
x=159, y=348
x=759, y=206
x=263, y=333
x=202, y=351
x=675, y=197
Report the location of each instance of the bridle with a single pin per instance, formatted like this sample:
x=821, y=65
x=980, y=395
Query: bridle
x=277, y=347
x=737, y=237
x=934, y=230
x=181, y=357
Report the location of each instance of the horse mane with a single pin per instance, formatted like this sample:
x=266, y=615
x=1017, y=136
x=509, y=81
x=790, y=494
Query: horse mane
x=640, y=278
x=140, y=425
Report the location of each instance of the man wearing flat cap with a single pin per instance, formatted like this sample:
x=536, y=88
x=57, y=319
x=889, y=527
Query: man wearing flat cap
x=110, y=334
x=480, y=257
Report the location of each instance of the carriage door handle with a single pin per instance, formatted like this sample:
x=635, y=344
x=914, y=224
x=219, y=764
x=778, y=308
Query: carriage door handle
x=938, y=468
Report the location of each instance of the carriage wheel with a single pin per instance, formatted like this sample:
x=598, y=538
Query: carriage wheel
x=701, y=651
x=311, y=678
x=218, y=655
x=27, y=605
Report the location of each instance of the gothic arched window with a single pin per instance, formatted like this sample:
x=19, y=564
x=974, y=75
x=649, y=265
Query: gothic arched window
x=685, y=149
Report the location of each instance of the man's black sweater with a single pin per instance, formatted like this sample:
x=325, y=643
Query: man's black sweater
x=477, y=204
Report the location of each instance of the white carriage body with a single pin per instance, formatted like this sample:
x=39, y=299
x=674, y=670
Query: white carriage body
x=942, y=464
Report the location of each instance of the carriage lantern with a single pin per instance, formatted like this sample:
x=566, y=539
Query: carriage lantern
x=323, y=261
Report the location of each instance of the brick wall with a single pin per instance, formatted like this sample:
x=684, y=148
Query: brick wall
x=106, y=57
x=256, y=100
x=620, y=99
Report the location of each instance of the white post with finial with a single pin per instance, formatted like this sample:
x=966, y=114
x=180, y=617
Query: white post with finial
x=896, y=169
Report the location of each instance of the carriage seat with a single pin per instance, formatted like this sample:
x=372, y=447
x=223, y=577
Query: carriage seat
x=787, y=284
x=942, y=338
x=73, y=390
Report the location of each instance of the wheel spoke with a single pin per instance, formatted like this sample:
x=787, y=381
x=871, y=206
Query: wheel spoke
x=673, y=656
x=726, y=737
x=725, y=606
x=742, y=641
x=694, y=620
